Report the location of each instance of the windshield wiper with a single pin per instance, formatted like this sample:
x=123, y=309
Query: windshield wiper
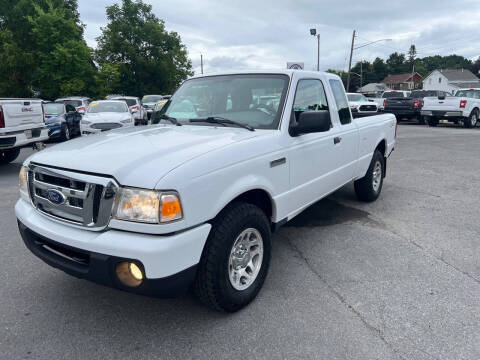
x=222, y=121
x=171, y=119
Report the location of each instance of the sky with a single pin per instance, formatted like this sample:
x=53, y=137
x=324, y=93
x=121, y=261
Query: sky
x=247, y=34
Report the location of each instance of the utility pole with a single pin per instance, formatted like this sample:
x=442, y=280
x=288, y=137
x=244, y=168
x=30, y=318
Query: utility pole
x=350, y=62
x=201, y=63
x=361, y=73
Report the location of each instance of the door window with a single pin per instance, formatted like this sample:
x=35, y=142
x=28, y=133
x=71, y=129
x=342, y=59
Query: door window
x=310, y=96
x=341, y=101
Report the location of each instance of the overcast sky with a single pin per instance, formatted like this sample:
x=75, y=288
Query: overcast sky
x=246, y=34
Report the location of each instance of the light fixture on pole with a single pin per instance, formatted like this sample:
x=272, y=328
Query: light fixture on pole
x=313, y=32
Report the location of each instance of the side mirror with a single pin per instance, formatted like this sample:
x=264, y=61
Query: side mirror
x=311, y=122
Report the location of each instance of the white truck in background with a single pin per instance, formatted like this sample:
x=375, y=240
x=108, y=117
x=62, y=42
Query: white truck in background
x=464, y=107
x=22, y=123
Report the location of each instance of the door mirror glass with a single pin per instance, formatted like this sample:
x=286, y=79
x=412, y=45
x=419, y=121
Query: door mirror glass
x=311, y=122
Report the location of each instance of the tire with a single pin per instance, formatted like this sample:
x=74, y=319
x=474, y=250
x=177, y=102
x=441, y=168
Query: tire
x=432, y=121
x=370, y=186
x=66, y=133
x=472, y=120
x=7, y=156
x=214, y=284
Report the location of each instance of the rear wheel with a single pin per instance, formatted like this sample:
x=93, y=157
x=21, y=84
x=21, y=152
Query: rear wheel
x=432, y=121
x=7, y=156
x=472, y=120
x=235, y=259
x=369, y=187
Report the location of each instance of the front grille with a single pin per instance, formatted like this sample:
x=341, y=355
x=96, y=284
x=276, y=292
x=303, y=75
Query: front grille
x=368, y=108
x=85, y=200
x=7, y=142
x=106, y=126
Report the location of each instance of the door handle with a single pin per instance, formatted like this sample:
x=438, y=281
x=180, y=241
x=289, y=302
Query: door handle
x=337, y=139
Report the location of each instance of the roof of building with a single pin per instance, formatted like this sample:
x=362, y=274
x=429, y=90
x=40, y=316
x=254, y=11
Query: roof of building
x=468, y=85
x=399, y=78
x=458, y=74
x=373, y=87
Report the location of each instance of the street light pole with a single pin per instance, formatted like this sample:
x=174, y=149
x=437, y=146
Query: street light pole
x=201, y=63
x=350, y=62
x=314, y=33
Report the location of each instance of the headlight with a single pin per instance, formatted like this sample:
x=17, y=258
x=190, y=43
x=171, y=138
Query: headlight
x=85, y=122
x=126, y=121
x=147, y=206
x=23, y=180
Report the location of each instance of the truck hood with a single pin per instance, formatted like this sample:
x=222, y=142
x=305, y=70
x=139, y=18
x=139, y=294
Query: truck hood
x=104, y=117
x=139, y=157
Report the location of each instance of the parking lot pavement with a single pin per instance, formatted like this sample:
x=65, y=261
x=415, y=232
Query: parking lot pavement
x=394, y=279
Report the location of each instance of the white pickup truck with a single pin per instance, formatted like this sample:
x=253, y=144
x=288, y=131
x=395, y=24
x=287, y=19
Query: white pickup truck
x=193, y=200
x=464, y=107
x=22, y=123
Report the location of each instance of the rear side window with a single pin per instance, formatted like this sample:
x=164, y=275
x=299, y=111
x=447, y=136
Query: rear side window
x=341, y=101
x=310, y=96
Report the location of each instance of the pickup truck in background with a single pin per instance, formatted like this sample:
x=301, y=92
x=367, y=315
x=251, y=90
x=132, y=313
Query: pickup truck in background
x=193, y=200
x=410, y=107
x=463, y=107
x=22, y=124
x=360, y=105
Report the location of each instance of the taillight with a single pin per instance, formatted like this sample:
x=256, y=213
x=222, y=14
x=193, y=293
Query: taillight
x=136, y=107
x=81, y=108
x=423, y=103
x=384, y=102
x=416, y=104
x=463, y=104
x=2, y=118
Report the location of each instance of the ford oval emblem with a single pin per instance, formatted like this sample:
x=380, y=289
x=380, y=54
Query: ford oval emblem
x=55, y=197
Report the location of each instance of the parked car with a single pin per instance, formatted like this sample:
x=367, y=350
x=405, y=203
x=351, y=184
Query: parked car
x=62, y=120
x=410, y=107
x=149, y=102
x=106, y=115
x=360, y=106
x=463, y=107
x=80, y=103
x=135, y=105
x=376, y=98
x=193, y=201
x=22, y=124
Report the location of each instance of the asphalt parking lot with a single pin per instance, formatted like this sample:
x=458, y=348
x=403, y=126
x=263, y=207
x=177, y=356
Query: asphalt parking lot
x=395, y=279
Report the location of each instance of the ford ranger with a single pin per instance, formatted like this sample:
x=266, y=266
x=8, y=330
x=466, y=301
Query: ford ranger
x=192, y=202
x=22, y=123
x=464, y=107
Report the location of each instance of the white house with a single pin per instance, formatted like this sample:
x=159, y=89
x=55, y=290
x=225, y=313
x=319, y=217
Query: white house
x=450, y=80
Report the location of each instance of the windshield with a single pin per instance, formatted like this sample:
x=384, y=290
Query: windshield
x=422, y=94
x=54, y=109
x=74, y=103
x=151, y=98
x=389, y=94
x=107, y=106
x=254, y=100
x=130, y=102
x=473, y=94
x=356, y=97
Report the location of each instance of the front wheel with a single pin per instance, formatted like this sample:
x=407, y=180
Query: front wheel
x=369, y=187
x=7, y=156
x=471, y=121
x=66, y=133
x=235, y=259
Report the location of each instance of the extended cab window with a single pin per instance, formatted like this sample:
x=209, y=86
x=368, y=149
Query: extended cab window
x=341, y=101
x=310, y=96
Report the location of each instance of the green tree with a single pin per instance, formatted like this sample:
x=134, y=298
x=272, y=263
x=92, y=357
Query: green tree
x=149, y=59
x=396, y=63
x=42, y=50
x=379, y=69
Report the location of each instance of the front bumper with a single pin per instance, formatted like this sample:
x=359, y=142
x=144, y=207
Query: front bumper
x=168, y=261
x=55, y=131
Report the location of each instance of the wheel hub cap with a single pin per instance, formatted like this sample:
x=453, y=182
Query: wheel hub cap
x=245, y=259
x=377, y=176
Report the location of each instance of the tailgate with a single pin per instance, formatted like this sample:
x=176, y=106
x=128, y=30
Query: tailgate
x=399, y=104
x=21, y=113
x=448, y=104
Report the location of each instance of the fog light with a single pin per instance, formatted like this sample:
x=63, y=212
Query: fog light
x=129, y=273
